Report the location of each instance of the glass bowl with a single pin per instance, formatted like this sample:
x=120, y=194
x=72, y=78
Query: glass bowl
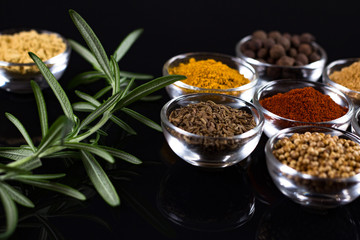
x=205, y=151
x=179, y=88
x=355, y=125
x=337, y=66
x=274, y=123
x=268, y=72
x=306, y=189
x=15, y=77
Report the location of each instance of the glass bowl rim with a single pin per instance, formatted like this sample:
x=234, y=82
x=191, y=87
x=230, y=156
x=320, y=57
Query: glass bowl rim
x=340, y=120
x=289, y=170
x=51, y=60
x=326, y=78
x=310, y=66
x=355, y=122
x=237, y=60
x=250, y=133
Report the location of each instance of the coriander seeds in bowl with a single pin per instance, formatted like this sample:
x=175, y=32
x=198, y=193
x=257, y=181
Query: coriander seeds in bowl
x=315, y=166
x=211, y=130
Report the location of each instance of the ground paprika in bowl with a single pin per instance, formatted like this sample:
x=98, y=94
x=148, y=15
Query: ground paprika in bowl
x=299, y=102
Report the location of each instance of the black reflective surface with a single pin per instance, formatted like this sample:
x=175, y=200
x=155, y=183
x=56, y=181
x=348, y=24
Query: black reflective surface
x=165, y=197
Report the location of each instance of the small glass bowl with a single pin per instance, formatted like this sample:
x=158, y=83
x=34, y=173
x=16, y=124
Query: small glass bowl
x=269, y=72
x=274, y=123
x=218, y=152
x=355, y=125
x=179, y=88
x=14, y=81
x=337, y=66
x=310, y=190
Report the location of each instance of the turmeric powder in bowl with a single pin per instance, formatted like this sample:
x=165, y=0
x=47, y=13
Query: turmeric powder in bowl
x=14, y=49
x=209, y=74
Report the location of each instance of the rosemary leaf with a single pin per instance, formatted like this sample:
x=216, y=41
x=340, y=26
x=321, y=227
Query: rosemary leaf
x=84, y=52
x=57, y=187
x=140, y=76
x=106, y=106
x=147, y=88
x=92, y=149
x=55, y=86
x=93, y=43
x=146, y=121
x=126, y=44
x=54, y=134
x=15, y=153
x=21, y=129
x=40, y=102
x=84, y=78
x=17, y=196
x=99, y=178
x=122, y=155
x=10, y=213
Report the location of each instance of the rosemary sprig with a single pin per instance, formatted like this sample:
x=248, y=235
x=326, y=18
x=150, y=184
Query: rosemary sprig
x=70, y=136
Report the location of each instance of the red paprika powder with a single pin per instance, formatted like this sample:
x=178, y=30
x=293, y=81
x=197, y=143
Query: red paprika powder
x=304, y=104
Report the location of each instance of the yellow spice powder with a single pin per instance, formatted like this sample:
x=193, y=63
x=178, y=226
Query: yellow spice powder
x=348, y=76
x=14, y=48
x=209, y=74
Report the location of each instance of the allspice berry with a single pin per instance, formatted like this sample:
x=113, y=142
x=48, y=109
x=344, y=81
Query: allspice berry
x=284, y=42
x=307, y=38
x=271, y=48
x=249, y=53
x=295, y=41
x=255, y=44
x=305, y=48
x=301, y=57
x=275, y=35
x=285, y=61
x=277, y=51
x=293, y=52
x=262, y=53
x=314, y=57
x=260, y=34
x=268, y=43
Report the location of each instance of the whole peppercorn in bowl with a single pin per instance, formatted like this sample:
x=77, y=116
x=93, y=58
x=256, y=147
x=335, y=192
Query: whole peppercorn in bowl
x=277, y=55
x=315, y=166
x=211, y=130
x=208, y=72
x=289, y=103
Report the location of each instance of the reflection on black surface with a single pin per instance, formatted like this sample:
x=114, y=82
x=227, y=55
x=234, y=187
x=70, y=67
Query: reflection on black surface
x=259, y=177
x=206, y=199
x=288, y=220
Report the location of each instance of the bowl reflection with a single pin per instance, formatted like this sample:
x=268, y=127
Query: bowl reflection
x=288, y=220
x=206, y=200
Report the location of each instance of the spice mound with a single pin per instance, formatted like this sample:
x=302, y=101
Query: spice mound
x=319, y=154
x=14, y=48
x=215, y=123
x=305, y=105
x=211, y=119
x=209, y=74
x=348, y=76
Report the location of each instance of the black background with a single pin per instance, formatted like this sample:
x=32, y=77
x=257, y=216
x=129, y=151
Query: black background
x=171, y=28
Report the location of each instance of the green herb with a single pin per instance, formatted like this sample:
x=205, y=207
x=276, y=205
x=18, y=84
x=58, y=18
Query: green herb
x=70, y=136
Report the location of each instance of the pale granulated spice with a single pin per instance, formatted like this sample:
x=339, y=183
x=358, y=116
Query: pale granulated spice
x=348, y=76
x=14, y=48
